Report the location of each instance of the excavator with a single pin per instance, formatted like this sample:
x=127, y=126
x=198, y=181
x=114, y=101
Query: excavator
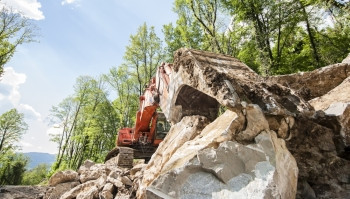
x=151, y=126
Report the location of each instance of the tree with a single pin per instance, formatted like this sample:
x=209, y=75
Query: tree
x=12, y=127
x=12, y=168
x=201, y=25
x=186, y=33
x=14, y=30
x=126, y=102
x=143, y=55
x=35, y=175
x=88, y=123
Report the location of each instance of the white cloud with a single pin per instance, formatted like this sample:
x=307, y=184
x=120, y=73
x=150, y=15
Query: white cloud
x=68, y=2
x=27, y=8
x=25, y=144
x=9, y=86
x=54, y=130
x=10, y=95
x=29, y=112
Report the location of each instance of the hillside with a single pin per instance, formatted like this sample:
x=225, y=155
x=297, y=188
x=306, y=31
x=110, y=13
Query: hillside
x=36, y=158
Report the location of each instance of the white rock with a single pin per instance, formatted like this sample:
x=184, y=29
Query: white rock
x=63, y=176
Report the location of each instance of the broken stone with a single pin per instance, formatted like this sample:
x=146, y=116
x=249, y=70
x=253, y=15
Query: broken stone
x=114, y=181
x=108, y=191
x=86, y=166
x=255, y=123
x=60, y=189
x=93, y=173
x=125, y=180
x=63, y=176
x=73, y=193
x=90, y=193
x=137, y=168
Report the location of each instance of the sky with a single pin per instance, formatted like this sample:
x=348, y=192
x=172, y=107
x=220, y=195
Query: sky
x=75, y=38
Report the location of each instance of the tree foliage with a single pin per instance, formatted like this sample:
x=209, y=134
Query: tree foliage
x=272, y=37
x=126, y=103
x=12, y=168
x=14, y=30
x=36, y=175
x=143, y=55
x=88, y=124
x=12, y=127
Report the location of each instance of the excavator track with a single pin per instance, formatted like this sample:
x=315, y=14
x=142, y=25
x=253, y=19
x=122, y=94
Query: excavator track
x=124, y=156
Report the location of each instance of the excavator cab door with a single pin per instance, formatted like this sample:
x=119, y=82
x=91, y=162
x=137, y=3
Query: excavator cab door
x=162, y=128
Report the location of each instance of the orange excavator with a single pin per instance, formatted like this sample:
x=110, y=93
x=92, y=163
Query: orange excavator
x=151, y=126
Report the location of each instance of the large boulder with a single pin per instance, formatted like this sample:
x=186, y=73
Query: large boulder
x=233, y=170
x=202, y=82
x=63, y=176
x=213, y=165
x=310, y=85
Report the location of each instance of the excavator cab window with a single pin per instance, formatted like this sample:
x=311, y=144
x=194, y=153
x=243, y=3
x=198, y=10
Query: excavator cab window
x=163, y=128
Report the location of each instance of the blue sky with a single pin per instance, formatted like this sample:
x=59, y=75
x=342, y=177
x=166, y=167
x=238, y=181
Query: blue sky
x=76, y=37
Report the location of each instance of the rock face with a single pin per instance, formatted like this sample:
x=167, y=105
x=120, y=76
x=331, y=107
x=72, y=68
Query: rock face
x=197, y=169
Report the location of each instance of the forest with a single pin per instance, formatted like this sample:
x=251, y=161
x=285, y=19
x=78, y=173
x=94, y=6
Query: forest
x=273, y=37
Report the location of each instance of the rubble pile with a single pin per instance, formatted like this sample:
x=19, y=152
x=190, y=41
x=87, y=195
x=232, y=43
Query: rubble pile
x=104, y=181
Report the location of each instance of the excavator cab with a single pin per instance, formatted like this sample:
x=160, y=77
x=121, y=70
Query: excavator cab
x=162, y=128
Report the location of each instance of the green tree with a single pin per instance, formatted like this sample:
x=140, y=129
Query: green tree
x=143, y=55
x=186, y=33
x=126, y=102
x=272, y=37
x=12, y=168
x=14, y=30
x=88, y=123
x=36, y=175
x=12, y=127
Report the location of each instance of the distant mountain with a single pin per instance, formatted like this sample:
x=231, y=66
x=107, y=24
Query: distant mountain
x=36, y=158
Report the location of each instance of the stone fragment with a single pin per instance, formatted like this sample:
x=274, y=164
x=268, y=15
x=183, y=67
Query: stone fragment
x=125, y=180
x=137, y=168
x=60, y=189
x=63, y=176
x=122, y=196
x=255, y=123
x=108, y=191
x=114, y=181
x=93, y=173
x=86, y=166
x=90, y=193
x=73, y=193
x=101, y=181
